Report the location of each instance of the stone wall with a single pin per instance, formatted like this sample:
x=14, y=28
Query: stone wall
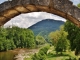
x=64, y=6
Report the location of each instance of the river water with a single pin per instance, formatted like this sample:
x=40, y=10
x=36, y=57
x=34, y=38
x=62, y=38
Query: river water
x=8, y=55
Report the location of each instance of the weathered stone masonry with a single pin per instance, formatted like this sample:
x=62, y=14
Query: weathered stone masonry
x=63, y=8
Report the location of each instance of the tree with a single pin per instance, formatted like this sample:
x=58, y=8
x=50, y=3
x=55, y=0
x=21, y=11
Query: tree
x=72, y=30
x=41, y=55
x=54, y=37
x=15, y=37
x=59, y=38
x=73, y=36
x=30, y=38
x=40, y=40
x=77, y=43
x=1, y=44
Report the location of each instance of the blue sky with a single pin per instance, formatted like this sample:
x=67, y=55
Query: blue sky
x=26, y=20
x=75, y=1
x=2, y=1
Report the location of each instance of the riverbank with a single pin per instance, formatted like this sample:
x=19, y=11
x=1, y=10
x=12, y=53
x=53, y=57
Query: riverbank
x=24, y=53
x=17, y=54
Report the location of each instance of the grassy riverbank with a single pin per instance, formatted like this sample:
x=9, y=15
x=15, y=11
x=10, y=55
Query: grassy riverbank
x=53, y=56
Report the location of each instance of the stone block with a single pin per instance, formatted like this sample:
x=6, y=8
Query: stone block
x=4, y=6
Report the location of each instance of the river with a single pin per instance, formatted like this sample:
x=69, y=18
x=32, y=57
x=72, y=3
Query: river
x=11, y=54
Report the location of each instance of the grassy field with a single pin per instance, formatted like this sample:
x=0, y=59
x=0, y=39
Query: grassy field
x=53, y=56
x=64, y=56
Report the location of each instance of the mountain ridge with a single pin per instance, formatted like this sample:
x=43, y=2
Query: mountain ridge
x=46, y=26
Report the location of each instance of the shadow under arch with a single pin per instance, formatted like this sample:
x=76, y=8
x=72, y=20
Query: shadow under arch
x=7, y=14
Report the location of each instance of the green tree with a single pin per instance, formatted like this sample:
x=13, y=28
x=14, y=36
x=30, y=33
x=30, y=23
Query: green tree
x=73, y=36
x=40, y=40
x=15, y=37
x=59, y=38
x=72, y=32
x=77, y=43
x=1, y=44
x=63, y=42
x=30, y=39
x=41, y=55
x=54, y=37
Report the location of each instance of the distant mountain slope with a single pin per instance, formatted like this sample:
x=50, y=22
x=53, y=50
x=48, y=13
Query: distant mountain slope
x=44, y=27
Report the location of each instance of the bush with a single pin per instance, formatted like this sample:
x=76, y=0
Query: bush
x=41, y=55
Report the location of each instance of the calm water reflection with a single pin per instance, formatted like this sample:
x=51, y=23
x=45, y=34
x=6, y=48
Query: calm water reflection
x=9, y=55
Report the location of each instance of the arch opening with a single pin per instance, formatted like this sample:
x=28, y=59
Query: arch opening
x=29, y=19
x=20, y=9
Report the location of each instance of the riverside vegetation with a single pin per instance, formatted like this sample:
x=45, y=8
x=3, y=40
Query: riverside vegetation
x=63, y=44
x=59, y=44
x=15, y=37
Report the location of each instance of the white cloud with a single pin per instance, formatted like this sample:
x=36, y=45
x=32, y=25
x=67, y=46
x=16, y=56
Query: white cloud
x=26, y=20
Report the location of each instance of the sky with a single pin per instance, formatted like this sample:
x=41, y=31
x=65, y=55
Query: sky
x=27, y=20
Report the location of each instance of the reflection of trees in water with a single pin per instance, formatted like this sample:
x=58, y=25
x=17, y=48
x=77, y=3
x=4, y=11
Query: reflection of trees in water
x=7, y=55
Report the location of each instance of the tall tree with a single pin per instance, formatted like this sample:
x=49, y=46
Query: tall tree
x=59, y=38
x=73, y=36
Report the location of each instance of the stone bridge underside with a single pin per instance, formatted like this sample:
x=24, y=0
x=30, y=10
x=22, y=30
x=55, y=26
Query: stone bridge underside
x=63, y=8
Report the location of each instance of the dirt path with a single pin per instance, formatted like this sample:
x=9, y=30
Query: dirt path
x=25, y=53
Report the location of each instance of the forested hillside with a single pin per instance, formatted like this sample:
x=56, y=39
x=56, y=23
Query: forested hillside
x=46, y=26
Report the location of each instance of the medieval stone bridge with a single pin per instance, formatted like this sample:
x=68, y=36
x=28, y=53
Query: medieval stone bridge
x=63, y=8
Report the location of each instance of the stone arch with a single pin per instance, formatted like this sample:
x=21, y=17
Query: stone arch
x=63, y=8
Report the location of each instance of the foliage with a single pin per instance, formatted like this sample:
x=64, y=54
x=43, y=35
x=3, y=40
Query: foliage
x=54, y=36
x=41, y=55
x=16, y=37
x=40, y=40
x=62, y=43
x=74, y=33
x=59, y=39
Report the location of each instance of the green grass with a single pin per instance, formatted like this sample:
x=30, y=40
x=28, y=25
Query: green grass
x=57, y=57
x=53, y=56
x=27, y=59
x=64, y=56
